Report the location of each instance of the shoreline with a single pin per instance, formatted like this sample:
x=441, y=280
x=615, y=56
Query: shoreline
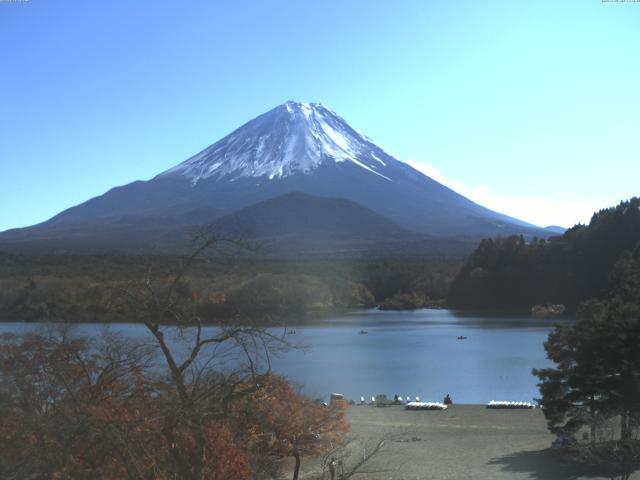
x=309, y=318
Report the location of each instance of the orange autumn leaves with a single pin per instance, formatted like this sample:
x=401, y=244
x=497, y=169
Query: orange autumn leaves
x=294, y=420
x=70, y=408
x=286, y=423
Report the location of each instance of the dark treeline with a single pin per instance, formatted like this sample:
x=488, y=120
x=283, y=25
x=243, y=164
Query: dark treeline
x=80, y=287
x=515, y=274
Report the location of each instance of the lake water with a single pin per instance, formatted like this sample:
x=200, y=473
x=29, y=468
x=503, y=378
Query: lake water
x=405, y=353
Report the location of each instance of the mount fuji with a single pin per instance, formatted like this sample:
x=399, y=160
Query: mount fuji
x=296, y=147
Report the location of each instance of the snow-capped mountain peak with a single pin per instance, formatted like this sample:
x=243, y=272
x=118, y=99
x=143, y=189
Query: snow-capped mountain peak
x=295, y=137
x=283, y=173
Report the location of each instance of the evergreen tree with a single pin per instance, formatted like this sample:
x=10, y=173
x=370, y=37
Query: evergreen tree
x=597, y=373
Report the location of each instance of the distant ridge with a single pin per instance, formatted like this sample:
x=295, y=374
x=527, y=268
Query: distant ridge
x=298, y=214
x=555, y=229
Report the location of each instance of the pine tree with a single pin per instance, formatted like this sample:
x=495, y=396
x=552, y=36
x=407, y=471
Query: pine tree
x=597, y=371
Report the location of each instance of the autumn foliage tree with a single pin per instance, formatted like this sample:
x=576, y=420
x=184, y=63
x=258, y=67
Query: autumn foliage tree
x=71, y=408
x=83, y=409
x=194, y=403
x=287, y=424
x=74, y=408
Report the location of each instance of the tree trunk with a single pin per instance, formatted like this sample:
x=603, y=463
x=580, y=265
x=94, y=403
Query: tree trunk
x=201, y=452
x=296, y=470
x=593, y=421
x=624, y=425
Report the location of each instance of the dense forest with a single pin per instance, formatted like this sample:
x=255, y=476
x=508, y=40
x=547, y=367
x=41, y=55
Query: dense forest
x=515, y=274
x=80, y=287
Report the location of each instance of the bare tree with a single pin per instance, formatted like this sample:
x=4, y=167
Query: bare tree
x=358, y=456
x=208, y=367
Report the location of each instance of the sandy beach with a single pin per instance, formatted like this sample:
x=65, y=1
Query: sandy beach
x=463, y=442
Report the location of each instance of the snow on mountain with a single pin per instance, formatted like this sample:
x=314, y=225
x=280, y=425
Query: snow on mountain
x=295, y=147
x=295, y=137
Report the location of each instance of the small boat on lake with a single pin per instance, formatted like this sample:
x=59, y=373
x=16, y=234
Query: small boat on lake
x=462, y=337
x=363, y=332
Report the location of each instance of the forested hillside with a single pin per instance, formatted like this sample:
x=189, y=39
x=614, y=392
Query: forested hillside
x=515, y=274
x=79, y=288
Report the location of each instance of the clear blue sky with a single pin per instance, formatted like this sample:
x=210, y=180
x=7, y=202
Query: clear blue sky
x=530, y=107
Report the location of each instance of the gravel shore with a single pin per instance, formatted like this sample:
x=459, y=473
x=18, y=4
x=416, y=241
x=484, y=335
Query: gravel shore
x=462, y=442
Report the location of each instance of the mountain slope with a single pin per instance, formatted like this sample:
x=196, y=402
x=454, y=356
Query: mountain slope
x=296, y=147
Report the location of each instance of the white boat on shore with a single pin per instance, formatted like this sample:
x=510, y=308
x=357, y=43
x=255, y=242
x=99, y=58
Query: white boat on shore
x=509, y=405
x=426, y=406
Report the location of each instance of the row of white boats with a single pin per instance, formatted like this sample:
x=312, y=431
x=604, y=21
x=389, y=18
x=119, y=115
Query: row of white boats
x=426, y=406
x=492, y=404
x=417, y=404
x=500, y=404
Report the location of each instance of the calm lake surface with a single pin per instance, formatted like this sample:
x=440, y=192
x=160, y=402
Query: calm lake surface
x=405, y=353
